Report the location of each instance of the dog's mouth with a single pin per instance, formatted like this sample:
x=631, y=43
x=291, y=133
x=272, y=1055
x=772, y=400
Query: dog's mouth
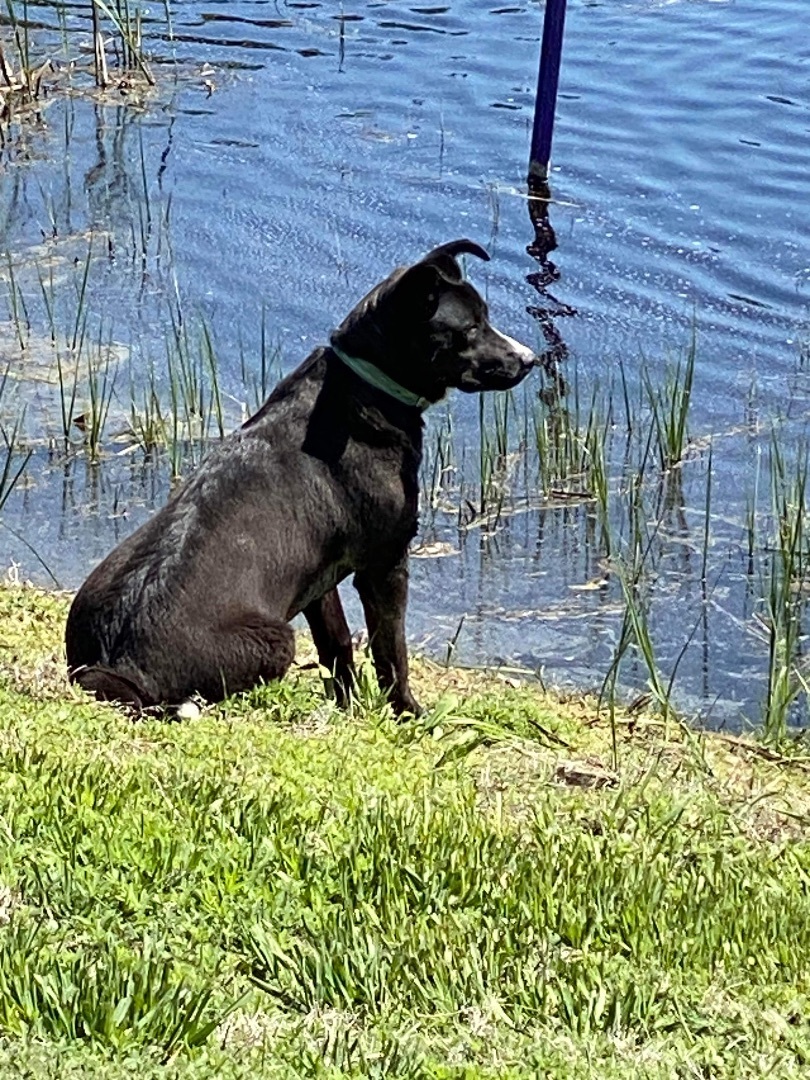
x=472, y=382
x=507, y=362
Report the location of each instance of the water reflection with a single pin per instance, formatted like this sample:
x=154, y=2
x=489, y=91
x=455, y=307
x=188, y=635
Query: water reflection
x=548, y=308
x=117, y=186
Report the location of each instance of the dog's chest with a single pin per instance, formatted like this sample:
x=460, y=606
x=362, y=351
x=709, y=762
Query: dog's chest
x=384, y=492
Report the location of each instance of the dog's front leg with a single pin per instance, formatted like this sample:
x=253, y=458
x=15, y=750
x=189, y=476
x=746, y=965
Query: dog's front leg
x=384, y=595
x=333, y=640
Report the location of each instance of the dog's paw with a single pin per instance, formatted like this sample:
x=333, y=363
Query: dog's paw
x=188, y=710
x=405, y=705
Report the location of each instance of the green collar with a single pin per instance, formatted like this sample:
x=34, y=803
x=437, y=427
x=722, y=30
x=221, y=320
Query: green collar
x=371, y=374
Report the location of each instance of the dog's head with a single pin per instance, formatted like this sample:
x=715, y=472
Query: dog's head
x=428, y=329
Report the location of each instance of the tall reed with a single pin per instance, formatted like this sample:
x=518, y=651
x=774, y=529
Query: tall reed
x=670, y=404
x=13, y=458
x=127, y=40
x=784, y=599
x=116, y=29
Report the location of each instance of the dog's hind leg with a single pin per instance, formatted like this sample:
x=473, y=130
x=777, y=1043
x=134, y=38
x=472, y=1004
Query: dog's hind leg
x=108, y=685
x=333, y=640
x=238, y=655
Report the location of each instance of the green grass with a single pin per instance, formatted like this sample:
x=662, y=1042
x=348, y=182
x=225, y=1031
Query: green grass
x=279, y=889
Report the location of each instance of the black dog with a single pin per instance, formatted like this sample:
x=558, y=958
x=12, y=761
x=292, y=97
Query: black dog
x=322, y=482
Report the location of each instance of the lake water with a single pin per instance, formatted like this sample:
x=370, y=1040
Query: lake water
x=310, y=147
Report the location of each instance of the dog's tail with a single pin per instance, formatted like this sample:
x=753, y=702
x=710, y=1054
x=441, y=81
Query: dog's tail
x=109, y=685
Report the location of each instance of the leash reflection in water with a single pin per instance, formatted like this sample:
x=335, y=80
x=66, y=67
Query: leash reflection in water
x=549, y=308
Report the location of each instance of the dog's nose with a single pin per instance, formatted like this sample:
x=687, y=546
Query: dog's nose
x=521, y=352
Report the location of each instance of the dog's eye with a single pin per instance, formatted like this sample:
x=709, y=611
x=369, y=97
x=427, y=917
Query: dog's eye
x=472, y=333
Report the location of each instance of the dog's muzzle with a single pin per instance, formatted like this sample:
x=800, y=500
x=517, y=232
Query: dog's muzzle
x=503, y=363
x=522, y=353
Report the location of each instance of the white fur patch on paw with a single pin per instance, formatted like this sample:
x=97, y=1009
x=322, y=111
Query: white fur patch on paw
x=189, y=710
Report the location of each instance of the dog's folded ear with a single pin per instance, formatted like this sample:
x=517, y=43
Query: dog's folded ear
x=457, y=247
x=420, y=285
x=444, y=256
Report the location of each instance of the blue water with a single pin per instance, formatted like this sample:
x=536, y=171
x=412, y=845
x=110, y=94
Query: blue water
x=306, y=148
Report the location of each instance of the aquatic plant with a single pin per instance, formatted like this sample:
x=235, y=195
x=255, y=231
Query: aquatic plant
x=126, y=41
x=146, y=420
x=258, y=384
x=784, y=599
x=493, y=453
x=21, y=77
x=117, y=45
x=13, y=457
x=669, y=405
x=438, y=467
x=100, y=385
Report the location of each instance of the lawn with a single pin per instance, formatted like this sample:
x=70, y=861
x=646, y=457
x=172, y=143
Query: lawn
x=510, y=887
